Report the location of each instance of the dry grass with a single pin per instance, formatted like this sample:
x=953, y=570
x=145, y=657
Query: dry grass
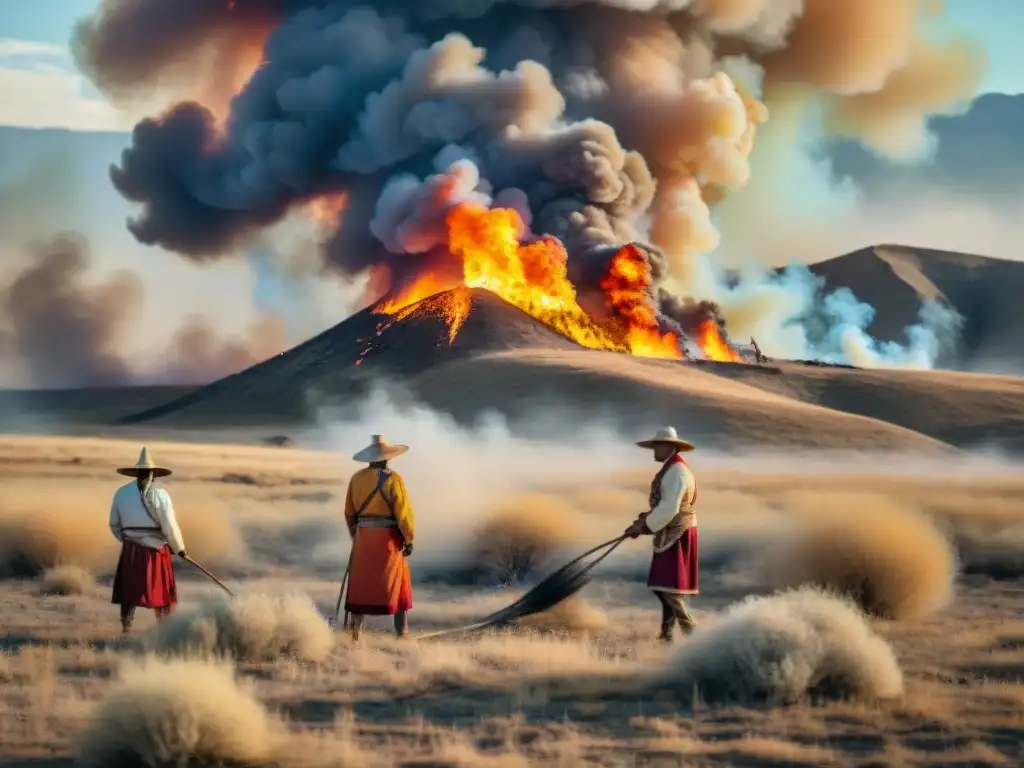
x=252, y=627
x=783, y=649
x=892, y=561
x=43, y=531
x=66, y=580
x=566, y=688
x=573, y=615
x=46, y=528
x=178, y=712
x=522, y=534
x=97, y=458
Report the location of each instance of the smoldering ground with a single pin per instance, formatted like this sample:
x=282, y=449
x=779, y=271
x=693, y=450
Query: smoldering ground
x=608, y=122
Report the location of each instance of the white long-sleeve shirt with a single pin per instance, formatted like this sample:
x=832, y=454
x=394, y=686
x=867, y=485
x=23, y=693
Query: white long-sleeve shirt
x=127, y=511
x=677, y=484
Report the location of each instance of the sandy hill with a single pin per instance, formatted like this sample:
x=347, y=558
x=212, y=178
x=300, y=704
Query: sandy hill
x=985, y=291
x=503, y=360
x=341, y=362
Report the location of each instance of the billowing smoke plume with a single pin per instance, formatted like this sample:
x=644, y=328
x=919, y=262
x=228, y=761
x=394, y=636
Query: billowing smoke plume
x=847, y=338
x=61, y=329
x=606, y=122
x=64, y=331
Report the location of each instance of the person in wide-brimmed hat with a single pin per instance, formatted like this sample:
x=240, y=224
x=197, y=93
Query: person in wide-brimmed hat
x=672, y=521
x=142, y=519
x=381, y=524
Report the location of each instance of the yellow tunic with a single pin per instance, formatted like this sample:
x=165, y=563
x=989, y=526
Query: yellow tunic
x=362, y=485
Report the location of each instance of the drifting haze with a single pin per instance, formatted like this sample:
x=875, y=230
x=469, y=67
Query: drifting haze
x=61, y=329
x=82, y=304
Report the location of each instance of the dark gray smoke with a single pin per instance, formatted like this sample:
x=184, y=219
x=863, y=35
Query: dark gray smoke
x=60, y=329
x=350, y=96
x=608, y=120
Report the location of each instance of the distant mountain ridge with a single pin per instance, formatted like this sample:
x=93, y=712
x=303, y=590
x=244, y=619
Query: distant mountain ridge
x=987, y=292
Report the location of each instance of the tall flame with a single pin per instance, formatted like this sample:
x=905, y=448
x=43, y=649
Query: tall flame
x=713, y=345
x=533, y=277
x=626, y=288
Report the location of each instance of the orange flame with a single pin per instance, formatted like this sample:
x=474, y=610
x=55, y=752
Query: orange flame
x=422, y=287
x=534, y=278
x=626, y=287
x=531, y=277
x=711, y=343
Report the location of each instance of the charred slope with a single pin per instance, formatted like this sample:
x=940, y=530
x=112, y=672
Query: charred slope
x=341, y=362
x=985, y=291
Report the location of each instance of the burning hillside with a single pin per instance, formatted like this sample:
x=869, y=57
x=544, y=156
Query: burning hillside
x=565, y=156
x=488, y=245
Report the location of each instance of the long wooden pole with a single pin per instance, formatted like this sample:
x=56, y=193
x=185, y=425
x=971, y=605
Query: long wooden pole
x=341, y=592
x=219, y=582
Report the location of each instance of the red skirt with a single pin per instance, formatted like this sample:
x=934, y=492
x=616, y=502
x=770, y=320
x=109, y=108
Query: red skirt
x=676, y=569
x=379, y=583
x=144, y=577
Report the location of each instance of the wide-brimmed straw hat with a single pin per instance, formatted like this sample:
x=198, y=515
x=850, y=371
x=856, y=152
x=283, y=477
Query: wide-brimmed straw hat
x=144, y=463
x=379, y=449
x=668, y=436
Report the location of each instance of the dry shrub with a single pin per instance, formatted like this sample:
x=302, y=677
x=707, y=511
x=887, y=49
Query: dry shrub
x=41, y=530
x=175, y=713
x=998, y=554
x=572, y=615
x=892, y=561
x=251, y=627
x=66, y=580
x=782, y=649
x=988, y=528
x=210, y=534
x=523, y=534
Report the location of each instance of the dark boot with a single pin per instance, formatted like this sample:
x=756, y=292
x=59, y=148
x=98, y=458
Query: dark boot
x=355, y=625
x=666, y=633
x=401, y=624
x=127, y=617
x=668, y=618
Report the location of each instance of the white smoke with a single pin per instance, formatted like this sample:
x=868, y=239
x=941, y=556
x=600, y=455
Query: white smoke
x=849, y=341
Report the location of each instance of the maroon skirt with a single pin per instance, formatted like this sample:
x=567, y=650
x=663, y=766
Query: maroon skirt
x=144, y=577
x=676, y=569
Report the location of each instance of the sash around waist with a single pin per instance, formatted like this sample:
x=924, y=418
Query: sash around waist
x=140, y=528
x=377, y=522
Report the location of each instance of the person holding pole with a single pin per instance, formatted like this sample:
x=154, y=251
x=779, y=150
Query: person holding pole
x=380, y=521
x=672, y=521
x=142, y=519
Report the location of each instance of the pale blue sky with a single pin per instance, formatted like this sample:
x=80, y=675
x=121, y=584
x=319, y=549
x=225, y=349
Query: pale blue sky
x=48, y=87
x=48, y=21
